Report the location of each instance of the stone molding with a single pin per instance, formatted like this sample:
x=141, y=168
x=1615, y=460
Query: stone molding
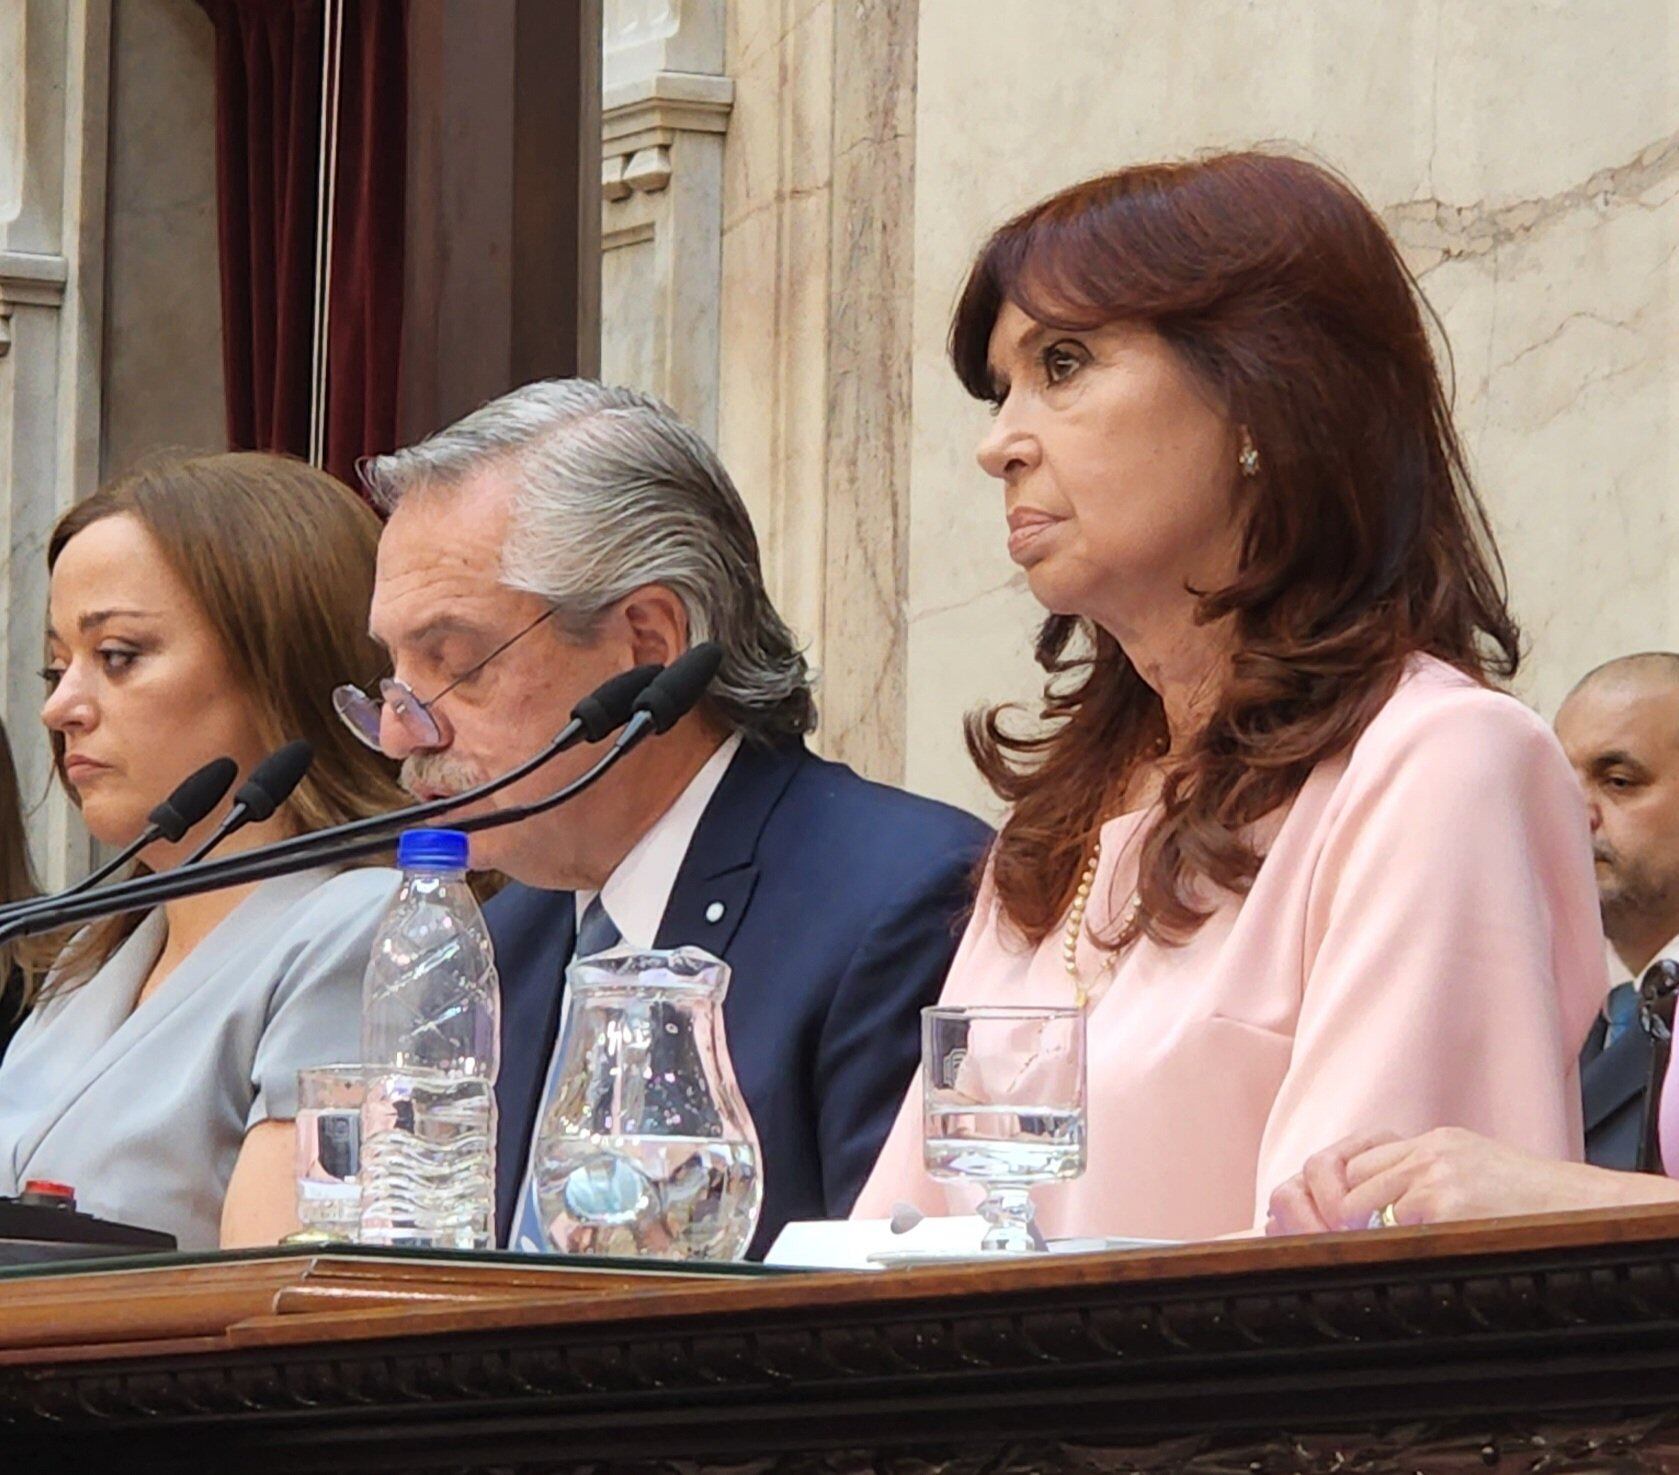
x=640, y=120
x=665, y=107
x=29, y=279
x=34, y=277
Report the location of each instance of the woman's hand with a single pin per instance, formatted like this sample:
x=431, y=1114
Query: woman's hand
x=1314, y=1199
x=1443, y=1175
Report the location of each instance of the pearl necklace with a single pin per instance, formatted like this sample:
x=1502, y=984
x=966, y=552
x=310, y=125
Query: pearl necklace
x=1075, y=925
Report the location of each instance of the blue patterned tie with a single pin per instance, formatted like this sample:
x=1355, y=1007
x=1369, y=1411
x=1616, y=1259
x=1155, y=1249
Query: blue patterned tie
x=595, y=934
x=1621, y=1010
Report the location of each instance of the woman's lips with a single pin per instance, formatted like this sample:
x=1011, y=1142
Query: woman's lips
x=1027, y=526
x=78, y=768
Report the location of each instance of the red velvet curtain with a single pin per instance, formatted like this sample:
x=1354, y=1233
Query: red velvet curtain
x=268, y=159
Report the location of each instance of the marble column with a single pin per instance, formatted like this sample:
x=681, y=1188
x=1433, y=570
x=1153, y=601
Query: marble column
x=54, y=93
x=162, y=354
x=818, y=236
x=664, y=108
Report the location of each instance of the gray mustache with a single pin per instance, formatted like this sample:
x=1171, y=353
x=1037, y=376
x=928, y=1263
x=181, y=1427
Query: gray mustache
x=436, y=771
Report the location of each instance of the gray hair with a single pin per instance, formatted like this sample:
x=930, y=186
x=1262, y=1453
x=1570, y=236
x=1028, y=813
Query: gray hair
x=613, y=492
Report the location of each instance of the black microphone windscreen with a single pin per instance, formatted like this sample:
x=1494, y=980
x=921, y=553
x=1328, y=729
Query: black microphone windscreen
x=272, y=780
x=608, y=706
x=674, y=690
x=194, y=797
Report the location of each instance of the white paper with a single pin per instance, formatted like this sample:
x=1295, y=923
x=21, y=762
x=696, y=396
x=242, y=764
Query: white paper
x=846, y=1244
x=849, y=1244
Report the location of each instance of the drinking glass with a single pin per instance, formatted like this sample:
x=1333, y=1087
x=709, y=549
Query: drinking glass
x=1003, y=1106
x=328, y=1153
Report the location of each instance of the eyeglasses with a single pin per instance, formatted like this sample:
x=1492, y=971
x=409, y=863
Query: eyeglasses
x=427, y=727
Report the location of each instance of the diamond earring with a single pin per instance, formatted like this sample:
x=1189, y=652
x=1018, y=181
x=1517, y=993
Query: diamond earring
x=1248, y=458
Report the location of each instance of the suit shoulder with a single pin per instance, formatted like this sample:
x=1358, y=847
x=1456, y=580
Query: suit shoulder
x=834, y=823
x=518, y=908
x=840, y=791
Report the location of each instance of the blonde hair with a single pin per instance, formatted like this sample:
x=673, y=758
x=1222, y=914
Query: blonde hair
x=279, y=557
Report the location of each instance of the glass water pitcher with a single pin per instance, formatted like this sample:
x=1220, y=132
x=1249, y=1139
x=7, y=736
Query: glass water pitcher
x=646, y=1148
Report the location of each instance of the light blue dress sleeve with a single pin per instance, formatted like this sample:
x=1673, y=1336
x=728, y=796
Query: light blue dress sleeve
x=314, y=1007
x=144, y=1106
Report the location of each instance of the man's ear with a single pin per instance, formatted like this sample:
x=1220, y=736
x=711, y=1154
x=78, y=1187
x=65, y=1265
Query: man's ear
x=658, y=624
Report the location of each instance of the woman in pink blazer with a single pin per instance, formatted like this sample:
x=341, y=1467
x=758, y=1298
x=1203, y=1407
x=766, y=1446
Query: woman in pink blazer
x=1307, y=870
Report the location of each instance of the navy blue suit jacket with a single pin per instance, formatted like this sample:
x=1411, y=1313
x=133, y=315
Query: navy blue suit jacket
x=841, y=905
x=1612, y=1089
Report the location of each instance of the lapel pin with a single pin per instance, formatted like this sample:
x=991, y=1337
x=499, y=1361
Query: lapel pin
x=714, y=912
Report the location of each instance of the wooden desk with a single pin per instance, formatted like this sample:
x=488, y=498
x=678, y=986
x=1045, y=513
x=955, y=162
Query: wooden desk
x=1542, y=1345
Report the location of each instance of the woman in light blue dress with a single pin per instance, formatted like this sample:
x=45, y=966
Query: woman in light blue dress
x=198, y=609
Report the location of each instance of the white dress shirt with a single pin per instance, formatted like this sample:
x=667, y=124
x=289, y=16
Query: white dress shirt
x=1617, y=970
x=638, y=891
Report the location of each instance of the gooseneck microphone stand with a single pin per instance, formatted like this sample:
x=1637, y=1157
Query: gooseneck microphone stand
x=596, y=717
x=269, y=786
x=194, y=797
x=665, y=699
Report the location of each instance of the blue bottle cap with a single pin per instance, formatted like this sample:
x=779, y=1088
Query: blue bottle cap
x=432, y=850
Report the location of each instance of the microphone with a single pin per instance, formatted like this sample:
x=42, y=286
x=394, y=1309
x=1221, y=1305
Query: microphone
x=194, y=797
x=669, y=699
x=269, y=786
x=681, y=682
x=603, y=711
x=609, y=705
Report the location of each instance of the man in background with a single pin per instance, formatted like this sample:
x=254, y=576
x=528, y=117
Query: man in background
x=1620, y=729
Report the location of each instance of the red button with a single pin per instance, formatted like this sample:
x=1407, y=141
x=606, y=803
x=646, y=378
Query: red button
x=48, y=1189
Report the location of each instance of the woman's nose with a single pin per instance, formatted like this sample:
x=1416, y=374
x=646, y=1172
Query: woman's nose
x=1007, y=449
x=69, y=704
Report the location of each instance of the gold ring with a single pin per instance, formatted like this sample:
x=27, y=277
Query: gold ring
x=1389, y=1219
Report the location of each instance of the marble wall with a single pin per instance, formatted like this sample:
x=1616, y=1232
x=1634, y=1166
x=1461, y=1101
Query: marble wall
x=818, y=214
x=110, y=326
x=664, y=109
x=12, y=35
x=1525, y=153
x=163, y=325
x=54, y=59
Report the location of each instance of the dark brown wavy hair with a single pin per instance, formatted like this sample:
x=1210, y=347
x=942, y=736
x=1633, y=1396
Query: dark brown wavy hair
x=1365, y=543
x=279, y=557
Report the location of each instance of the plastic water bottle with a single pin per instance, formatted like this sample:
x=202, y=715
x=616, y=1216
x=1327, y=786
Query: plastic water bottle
x=430, y=1035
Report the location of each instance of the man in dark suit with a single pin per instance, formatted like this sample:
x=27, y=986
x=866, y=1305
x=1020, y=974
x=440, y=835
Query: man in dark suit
x=553, y=538
x=1620, y=729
